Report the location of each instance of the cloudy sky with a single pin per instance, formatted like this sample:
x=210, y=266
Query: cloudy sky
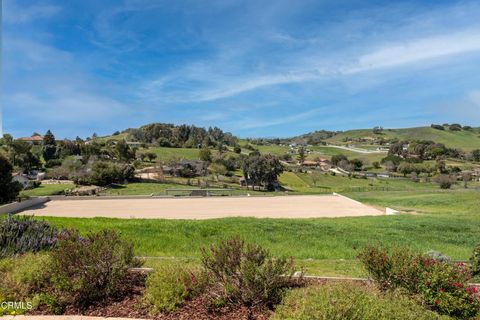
x=252, y=67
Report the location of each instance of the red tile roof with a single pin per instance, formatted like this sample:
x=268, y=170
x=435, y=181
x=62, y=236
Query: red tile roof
x=32, y=138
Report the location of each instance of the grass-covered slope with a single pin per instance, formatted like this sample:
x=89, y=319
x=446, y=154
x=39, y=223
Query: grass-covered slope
x=465, y=139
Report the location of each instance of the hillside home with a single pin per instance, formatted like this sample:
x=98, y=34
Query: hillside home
x=322, y=164
x=34, y=139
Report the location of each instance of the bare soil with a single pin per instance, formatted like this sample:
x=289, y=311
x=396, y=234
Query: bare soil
x=207, y=208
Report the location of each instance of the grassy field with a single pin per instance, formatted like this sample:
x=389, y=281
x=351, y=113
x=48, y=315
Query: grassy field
x=328, y=152
x=466, y=140
x=144, y=189
x=46, y=190
x=167, y=154
x=302, y=183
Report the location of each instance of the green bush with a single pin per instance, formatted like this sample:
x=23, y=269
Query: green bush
x=349, y=301
x=169, y=286
x=246, y=273
x=85, y=270
x=23, y=234
x=441, y=285
x=22, y=276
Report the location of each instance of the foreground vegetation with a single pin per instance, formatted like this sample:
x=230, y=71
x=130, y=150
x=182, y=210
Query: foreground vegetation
x=59, y=270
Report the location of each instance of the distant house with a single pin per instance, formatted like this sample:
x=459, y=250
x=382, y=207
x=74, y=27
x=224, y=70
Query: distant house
x=310, y=163
x=476, y=174
x=34, y=139
x=134, y=144
x=22, y=179
x=36, y=175
x=322, y=164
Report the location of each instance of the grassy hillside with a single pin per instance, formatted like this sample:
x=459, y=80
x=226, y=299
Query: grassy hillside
x=466, y=140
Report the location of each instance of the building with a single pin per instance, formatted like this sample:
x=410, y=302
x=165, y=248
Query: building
x=34, y=139
x=322, y=164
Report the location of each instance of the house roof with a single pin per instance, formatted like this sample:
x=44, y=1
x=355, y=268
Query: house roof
x=32, y=138
x=310, y=162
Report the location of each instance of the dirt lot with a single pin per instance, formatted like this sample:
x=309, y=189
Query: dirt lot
x=207, y=208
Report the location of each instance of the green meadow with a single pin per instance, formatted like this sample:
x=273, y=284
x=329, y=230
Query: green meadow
x=445, y=221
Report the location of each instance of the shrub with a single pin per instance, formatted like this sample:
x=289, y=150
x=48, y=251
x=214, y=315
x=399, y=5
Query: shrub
x=445, y=181
x=23, y=234
x=437, y=126
x=455, y=127
x=9, y=189
x=85, y=270
x=441, y=285
x=246, y=273
x=349, y=301
x=23, y=276
x=475, y=261
x=53, y=163
x=169, y=286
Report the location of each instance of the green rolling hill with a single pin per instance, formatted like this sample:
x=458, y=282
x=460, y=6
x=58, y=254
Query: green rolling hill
x=466, y=139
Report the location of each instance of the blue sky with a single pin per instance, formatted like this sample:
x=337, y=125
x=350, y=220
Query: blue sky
x=255, y=68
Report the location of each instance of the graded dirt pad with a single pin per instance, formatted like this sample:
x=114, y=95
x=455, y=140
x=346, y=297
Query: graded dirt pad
x=207, y=208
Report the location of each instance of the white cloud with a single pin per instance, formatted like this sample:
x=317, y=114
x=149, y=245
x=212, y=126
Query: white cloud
x=209, y=83
x=14, y=14
x=417, y=50
x=255, y=122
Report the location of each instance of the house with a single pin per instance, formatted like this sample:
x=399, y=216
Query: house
x=310, y=163
x=36, y=175
x=321, y=163
x=22, y=179
x=134, y=144
x=34, y=139
x=475, y=174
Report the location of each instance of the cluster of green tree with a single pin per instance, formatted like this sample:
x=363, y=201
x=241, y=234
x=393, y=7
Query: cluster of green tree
x=20, y=154
x=102, y=173
x=343, y=162
x=451, y=127
x=311, y=138
x=475, y=155
x=262, y=170
x=8, y=189
x=395, y=163
x=187, y=136
x=258, y=170
x=422, y=149
x=26, y=157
